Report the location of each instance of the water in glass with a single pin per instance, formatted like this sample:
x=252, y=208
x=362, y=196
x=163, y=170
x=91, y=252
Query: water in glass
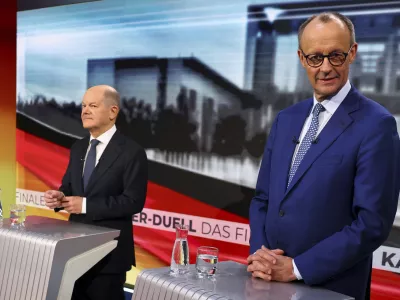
x=17, y=214
x=206, y=261
x=180, y=252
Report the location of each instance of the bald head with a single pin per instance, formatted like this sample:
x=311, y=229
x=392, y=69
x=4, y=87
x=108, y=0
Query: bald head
x=100, y=108
x=328, y=17
x=108, y=93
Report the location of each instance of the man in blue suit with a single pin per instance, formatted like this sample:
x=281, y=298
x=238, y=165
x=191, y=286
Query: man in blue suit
x=328, y=186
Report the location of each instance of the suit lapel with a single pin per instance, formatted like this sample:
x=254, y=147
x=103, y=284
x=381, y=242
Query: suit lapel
x=332, y=130
x=293, y=124
x=109, y=155
x=82, y=153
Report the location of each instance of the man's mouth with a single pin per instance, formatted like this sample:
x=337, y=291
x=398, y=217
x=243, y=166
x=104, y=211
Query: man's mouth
x=327, y=79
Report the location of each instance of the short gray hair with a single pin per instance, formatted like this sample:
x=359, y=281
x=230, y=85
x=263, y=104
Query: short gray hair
x=112, y=97
x=327, y=17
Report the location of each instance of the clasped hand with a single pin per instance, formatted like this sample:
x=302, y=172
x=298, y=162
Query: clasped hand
x=271, y=265
x=54, y=199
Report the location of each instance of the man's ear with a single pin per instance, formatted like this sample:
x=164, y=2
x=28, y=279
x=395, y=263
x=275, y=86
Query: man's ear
x=114, y=110
x=353, y=53
x=301, y=57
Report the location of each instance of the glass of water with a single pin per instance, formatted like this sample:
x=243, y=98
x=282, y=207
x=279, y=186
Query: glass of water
x=17, y=214
x=206, y=261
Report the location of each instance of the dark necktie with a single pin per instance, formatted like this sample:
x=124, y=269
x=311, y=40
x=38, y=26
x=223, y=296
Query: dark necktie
x=90, y=163
x=307, y=141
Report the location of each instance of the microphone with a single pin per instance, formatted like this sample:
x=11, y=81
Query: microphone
x=295, y=140
x=315, y=141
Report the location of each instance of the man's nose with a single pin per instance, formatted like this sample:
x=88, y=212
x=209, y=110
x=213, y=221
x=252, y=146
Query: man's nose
x=85, y=110
x=326, y=66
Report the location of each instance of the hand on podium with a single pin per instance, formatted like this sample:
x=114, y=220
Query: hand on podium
x=53, y=198
x=271, y=265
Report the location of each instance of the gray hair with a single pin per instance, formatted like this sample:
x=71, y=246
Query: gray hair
x=111, y=96
x=327, y=17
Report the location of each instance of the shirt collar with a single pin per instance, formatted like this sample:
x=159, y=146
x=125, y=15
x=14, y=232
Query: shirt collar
x=333, y=103
x=106, y=136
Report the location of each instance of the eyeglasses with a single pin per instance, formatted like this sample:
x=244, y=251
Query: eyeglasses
x=335, y=58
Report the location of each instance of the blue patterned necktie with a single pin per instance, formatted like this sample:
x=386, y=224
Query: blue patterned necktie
x=307, y=140
x=90, y=163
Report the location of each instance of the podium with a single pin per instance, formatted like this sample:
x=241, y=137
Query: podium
x=43, y=259
x=231, y=282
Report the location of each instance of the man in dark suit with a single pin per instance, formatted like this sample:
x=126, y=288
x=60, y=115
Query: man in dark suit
x=328, y=186
x=105, y=184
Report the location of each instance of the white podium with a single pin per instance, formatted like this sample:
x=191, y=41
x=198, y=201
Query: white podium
x=45, y=258
x=231, y=282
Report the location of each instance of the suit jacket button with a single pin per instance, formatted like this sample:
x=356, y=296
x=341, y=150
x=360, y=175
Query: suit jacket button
x=281, y=213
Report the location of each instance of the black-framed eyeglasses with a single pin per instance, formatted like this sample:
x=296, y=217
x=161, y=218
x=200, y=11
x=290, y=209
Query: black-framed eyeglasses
x=335, y=58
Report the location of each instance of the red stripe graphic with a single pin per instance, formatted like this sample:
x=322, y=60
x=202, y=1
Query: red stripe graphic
x=49, y=161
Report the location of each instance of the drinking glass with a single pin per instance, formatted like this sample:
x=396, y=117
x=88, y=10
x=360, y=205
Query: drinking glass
x=17, y=214
x=206, y=261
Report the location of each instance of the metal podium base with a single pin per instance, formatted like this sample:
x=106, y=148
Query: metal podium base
x=42, y=260
x=74, y=268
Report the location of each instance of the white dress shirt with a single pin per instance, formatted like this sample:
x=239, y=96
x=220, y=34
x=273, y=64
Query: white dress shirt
x=104, y=139
x=330, y=105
